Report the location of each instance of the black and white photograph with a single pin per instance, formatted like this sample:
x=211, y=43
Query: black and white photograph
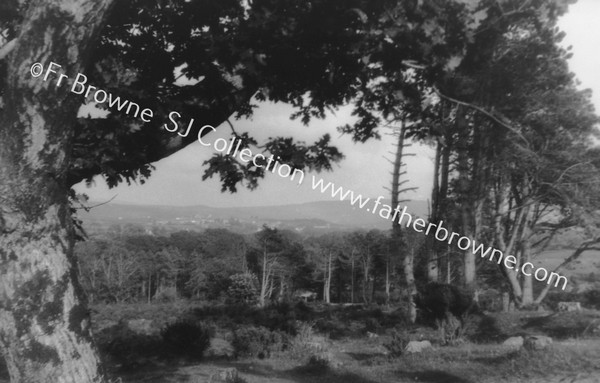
x=299, y=191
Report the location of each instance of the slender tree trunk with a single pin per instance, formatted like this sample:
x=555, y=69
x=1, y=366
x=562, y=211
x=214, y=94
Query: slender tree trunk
x=499, y=234
x=327, y=281
x=465, y=192
x=365, y=284
x=264, y=281
x=340, y=282
x=448, y=268
x=398, y=244
x=442, y=172
x=44, y=322
x=143, y=290
x=387, y=281
x=410, y=282
x=281, y=289
x=527, y=299
x=352, y=278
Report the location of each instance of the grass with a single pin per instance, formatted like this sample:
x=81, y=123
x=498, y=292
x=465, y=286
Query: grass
x=495, y=363
x=331, y=346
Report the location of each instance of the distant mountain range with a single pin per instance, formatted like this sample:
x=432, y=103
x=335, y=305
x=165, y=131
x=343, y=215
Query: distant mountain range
x=314, y=216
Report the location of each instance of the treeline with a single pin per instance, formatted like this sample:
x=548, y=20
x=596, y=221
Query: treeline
x=217, y=264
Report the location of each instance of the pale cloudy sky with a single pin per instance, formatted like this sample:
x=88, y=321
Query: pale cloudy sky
x=177, y=180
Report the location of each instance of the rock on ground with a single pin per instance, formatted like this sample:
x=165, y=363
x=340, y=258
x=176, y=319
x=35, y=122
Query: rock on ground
x=226, y=375
x=140, y=326
x=537, y=342
x=416, y=346
x=515, y=341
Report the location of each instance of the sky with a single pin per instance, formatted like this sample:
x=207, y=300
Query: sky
x=177, y=180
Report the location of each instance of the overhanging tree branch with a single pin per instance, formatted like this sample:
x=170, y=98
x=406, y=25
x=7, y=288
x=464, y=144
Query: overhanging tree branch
x=483, y=111
x=7, y=48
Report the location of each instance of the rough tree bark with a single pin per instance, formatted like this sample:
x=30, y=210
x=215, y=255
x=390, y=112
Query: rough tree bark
x=398, y=240
x=439, y=201
x=44, y=323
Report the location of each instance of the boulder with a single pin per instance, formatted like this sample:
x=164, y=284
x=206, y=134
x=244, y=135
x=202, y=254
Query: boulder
x=569, y=306
x=537, y=342
x=140, y=326
x=220, y=347
x=225, y=376
x=514, y=341
x=417, y=346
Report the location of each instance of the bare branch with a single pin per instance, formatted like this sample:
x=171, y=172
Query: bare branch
x=413, y=64
x=231, y=126
x=7, y=48
x=88, y=208
x=483, y=111
x=407, y=189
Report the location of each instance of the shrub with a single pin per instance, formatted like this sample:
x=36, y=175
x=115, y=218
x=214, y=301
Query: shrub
x=591, y=299
x=397, y=344
x=335, y=328
x=257, y=341
x=186, y=338
x=242, y=289
x=127, y=348
x=317, y=364
x=166, y=295
x=372, y=325
x=305, y=343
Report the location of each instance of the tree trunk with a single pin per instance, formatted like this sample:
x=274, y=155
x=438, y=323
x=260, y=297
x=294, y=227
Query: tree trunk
x=527, y=299
x=467, y=195
x=398, y=243
x=264, y=281
x=438, y=210
x=499, y=235
x=409, y=274
x=44, y=322
x=352, y=278
x=448, y=268
x=387, y=281
x=327, y=284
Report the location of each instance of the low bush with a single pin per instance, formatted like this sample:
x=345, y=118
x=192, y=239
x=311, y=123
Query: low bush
x=566, y=325
x=317, y=364
x=126, y=348
x=335, y=328
x=589, y=299
x=397, y=343
x=372, y=325
x=251, y=341
x=305, y=342
x=166, y=295
x=186, y=339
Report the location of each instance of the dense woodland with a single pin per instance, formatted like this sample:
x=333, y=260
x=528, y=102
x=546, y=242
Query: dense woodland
x=219, y=265
x=128, y=265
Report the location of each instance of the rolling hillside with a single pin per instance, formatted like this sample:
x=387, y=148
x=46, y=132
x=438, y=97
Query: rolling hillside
x=327, y=215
